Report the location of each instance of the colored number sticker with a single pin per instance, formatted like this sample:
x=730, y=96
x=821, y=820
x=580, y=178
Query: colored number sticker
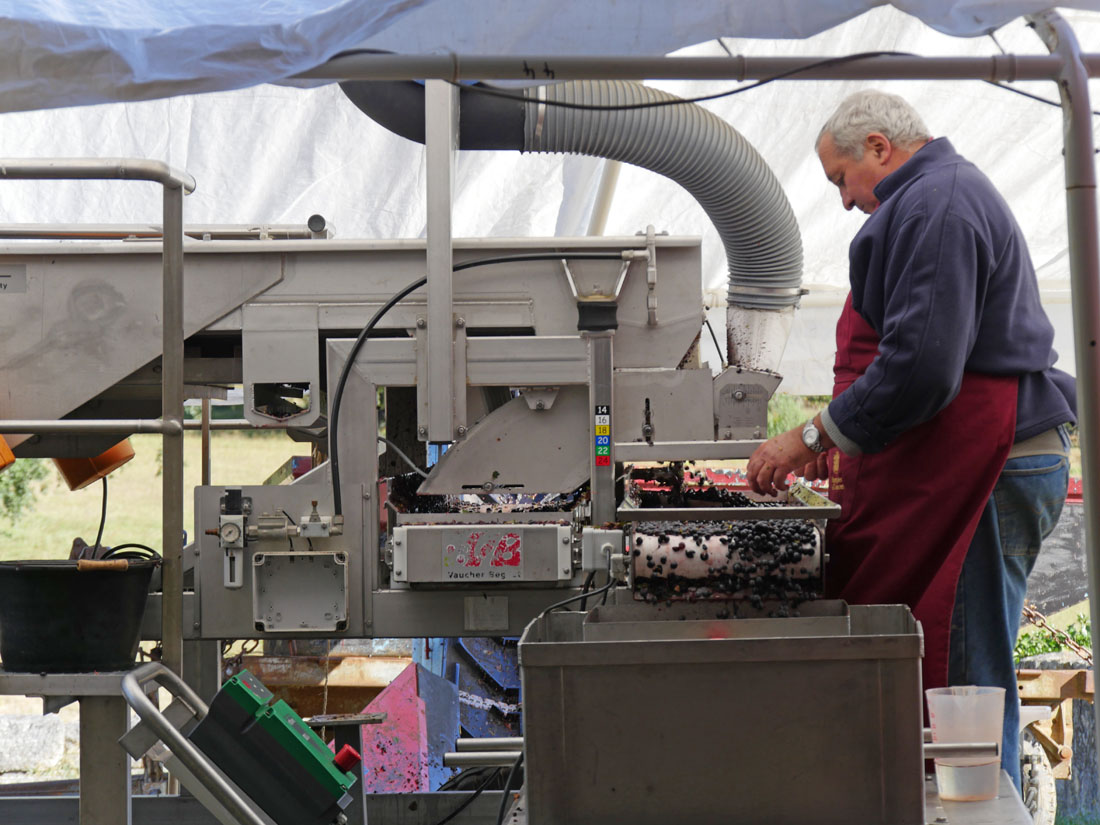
x=603, y=451
x=603, y=429
x=603, y=461
x=603, y=419
x=603, y=409
x=603, y=439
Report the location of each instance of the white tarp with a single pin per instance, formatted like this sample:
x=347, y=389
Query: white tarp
x=74, y=52
x=274, y=154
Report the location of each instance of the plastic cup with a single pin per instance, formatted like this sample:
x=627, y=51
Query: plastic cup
x=967, y=714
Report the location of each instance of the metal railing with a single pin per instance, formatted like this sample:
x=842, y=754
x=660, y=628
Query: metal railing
x=174, y=184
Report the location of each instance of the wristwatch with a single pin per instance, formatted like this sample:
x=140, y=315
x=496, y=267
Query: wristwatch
x=811, y=437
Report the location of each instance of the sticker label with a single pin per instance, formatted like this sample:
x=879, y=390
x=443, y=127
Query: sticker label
x=13, y=278
x=482, y=555
x=601, y=423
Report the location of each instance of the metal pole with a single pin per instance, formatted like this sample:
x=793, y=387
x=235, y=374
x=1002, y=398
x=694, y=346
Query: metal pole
x=95, y=169
x=604, y=195
x=72, y=426
x=1084, y=271
x=602, y=461
x=206, y=442
x=172, y=410
x=440, y=146
x=480, y=759
x=549, y=68
x=492, y=743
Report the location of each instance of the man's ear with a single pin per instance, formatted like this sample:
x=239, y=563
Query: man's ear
x=879, y=146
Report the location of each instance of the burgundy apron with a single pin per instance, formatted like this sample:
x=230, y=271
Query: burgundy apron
x=909, y=512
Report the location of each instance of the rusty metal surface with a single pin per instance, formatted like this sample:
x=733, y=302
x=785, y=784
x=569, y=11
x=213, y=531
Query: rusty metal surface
x=352, y=682
x=1046, y=686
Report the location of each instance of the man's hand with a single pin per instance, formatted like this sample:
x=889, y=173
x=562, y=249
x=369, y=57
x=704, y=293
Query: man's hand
x=775, y=458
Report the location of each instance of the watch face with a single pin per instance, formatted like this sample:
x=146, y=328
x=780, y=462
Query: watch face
x=811, y=437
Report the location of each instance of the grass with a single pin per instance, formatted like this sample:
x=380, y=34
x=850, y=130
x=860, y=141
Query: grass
x=56, y=515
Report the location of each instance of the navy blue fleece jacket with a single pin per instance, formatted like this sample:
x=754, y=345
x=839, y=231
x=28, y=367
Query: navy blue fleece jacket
x=941, y=272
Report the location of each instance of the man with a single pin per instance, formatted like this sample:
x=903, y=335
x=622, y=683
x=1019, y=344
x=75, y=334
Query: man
x=944, y=442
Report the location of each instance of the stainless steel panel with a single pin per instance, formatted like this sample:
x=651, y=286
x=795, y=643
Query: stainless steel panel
x=789, y=731
x=479, y=554
x=741, y=402
x=675, y=399
x=515, y=449
x=279, y=345
x=365, y=273
x=625, y=623
x=88, y=321
x=226, y=613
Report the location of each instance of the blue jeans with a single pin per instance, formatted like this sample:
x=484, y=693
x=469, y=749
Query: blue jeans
x=989, y=598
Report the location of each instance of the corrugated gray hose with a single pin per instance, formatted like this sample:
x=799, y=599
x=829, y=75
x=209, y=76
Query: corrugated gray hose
x=699, y=151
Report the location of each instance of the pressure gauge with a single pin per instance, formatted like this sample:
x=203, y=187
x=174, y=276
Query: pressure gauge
x=231, y=531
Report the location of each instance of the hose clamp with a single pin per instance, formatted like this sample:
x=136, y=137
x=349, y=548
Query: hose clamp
x=540, y=93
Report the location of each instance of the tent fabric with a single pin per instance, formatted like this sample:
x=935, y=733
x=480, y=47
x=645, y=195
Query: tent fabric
x=71, y=52
x=275, y=154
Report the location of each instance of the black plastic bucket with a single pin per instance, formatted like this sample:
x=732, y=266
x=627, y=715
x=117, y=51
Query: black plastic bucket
x=72, y=616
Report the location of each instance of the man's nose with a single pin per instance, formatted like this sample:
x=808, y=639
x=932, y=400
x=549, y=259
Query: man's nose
x=849, y=201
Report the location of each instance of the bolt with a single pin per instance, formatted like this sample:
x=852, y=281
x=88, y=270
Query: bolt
x=540, y=405
x=565, y=571
x=421, y=323
x=460, y=322
x=565, y=539
x=397, y=573
x=397, y=542
x=461, y=430
x=739, y=395
x=487, y=486
x=422, y=430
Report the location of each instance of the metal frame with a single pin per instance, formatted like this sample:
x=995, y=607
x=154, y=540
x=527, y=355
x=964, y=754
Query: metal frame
x=175, y=184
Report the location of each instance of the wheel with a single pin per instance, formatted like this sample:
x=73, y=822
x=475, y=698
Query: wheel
x=1037, y=777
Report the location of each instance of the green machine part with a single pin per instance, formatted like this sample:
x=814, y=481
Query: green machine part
x=288, y=728
x=272, y=755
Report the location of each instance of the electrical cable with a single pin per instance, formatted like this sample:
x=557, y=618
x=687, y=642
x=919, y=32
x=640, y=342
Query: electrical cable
x=102, y=519
x=492, y=777
x=508, y=788
x=610, y=584
x=338, y=394
x=714, y=338
x=591, y=577
x=148, y=554
x=1030, y=96
x=493, y=92
x=402, y=456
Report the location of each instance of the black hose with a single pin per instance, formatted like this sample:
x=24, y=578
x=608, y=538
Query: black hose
x=132, y=551
x=591, y=577
x=508, y=788
x=102, y=519
x=579, y=597
x=338, y=394
x=469, y=800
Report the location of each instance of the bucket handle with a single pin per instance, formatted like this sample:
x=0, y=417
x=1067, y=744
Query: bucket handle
x=121, y=565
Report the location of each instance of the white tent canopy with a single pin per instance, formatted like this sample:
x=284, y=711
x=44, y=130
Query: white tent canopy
x=276, y=154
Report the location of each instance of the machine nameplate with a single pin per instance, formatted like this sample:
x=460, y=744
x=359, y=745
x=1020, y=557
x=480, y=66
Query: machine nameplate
x=482, y=555
x=458, y=554
x=13, y=278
